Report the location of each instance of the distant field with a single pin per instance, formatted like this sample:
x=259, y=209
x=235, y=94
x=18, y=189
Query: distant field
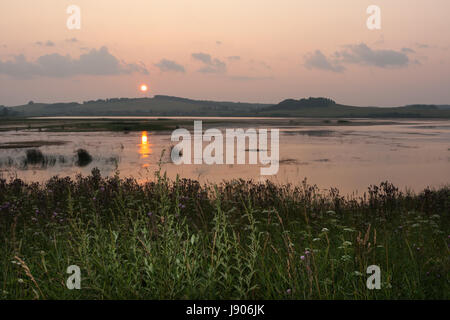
x=161, y=124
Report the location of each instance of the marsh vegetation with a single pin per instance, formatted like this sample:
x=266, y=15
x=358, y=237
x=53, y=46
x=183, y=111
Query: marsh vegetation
x=178, y=239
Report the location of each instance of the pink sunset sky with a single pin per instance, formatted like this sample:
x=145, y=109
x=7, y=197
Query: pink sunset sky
x=234, y=50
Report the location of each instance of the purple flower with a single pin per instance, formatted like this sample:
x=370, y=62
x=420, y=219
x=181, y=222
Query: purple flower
x=150, y=214
x=37, y=211
x=288, y=291
x=102, y=188
x=303, y=257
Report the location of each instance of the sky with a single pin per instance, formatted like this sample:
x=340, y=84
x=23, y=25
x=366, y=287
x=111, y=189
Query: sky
x=234, y=50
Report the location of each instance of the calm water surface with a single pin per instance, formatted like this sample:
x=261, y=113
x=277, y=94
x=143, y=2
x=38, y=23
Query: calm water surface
x=412, y=154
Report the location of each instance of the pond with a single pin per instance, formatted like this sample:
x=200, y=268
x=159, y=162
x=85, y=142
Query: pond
x=410, y=154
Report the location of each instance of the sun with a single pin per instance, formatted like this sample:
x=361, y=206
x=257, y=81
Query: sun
x=143, y=88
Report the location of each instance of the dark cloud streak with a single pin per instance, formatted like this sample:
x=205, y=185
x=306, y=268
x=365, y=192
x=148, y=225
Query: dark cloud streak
x=169, y=66
x=359, y=54
x=210, y=65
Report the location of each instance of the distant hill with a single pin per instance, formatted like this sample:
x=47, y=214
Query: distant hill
x=161, y=105
x=324, y=107
x=156, y=106
x=291, y=104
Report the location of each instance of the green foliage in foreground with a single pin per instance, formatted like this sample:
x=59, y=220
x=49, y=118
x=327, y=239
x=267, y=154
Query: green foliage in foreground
x=180, y=240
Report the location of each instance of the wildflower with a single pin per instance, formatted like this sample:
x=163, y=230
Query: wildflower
x=150, y=214
x=20, y=280
x=302, y=257
x=346, y=243
x=102, y=188
x=288, y=291
x=325, y=230
x=346, y=258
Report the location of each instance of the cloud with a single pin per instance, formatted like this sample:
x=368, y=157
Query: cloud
x=234, y=58
x=169, y=66
x=318, y=60
x=255, y=64
x=362, y=54
x=423, y=45
x=203, y=57
x=95, y=62
x=210, y=65
x=408, y=50
x=46, y=44
x=359, y=54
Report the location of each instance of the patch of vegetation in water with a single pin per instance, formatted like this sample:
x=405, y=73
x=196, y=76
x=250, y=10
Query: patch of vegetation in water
x=34, y=156
x=314, y=133
x=234, y=240
x=83, y=158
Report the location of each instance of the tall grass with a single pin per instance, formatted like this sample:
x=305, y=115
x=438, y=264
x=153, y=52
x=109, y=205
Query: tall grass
x=236, y=240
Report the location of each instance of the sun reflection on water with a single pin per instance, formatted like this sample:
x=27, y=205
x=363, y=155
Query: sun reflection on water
x=145, y=147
